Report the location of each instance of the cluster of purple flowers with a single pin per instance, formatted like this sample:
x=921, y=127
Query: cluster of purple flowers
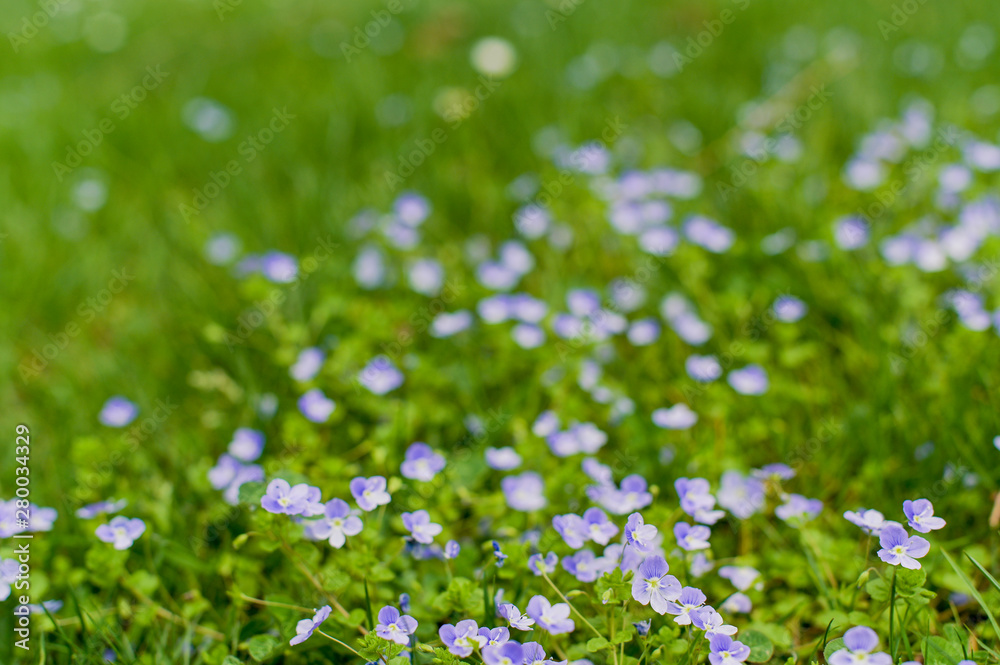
x=898, y=548
x=235, y=467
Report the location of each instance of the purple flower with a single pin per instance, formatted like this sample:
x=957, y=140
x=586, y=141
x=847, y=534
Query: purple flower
x=9, y=571
x=789, y=309
x=596, y=471
x=708, y=233
x=282, y=498
x=859, y=644
x=369, y=493
x=514, y=617
x=338, y=522
x=738, y=603
x=94, y=509
x=700, y=565
x=447, y=324
x=500, y=556
x=710, y=621
x=534, y=654
x=411, y=208
x=703, y=368
x=920, y=516
x=580, y=438
x=525, y=492
x=774, y=472
x=419, y=524
x=41, y=519
x=308, y=364
x=797, y=509
x=247, y=444
x=572, y=528
x=316, y=406
x=638, y=534
x=740, y=495
x=742, y=577
x=224, y=471
x=380, y=376
x=547, y=423
x=553, y=618
x=118, y=412
x=538, y=564
x=679, y=416
x=643, y=332
x=851, y=232
x=279, y=267
x=598, y=527
x=899, y=548
x=51, y=606
x=689, y=600
x=583, y=565
x=502, y=459
x=395, y=627
x=306, y=627
x=121, y=531
x=451, y=549
x=869, y=521
x=654, y=586
x=462, y=638
x=494, y=637
x=421, y=462
x=692, y=538
x=727, y=651
x=751, y=380
x=633, y=495
x=509, y=653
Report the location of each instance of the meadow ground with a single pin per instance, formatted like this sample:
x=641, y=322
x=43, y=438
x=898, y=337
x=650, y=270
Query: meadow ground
x=582, y=250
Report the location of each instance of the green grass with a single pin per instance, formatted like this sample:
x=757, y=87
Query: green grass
x=840, y=400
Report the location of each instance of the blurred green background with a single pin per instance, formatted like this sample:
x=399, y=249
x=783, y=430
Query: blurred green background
x=578, y=65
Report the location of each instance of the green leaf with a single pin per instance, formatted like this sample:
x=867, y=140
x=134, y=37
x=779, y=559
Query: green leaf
x=596, y=644
x=832, y=647
x=940, y=651
x=232, y=660
x=252, y=492
x=624, y=635
x=761, y=648
x=993, y=580
x=261, y=647
x=909, y=582
x=878, y=590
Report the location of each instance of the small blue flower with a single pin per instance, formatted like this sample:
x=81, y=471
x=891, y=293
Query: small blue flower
x=514, y=617
x=118, y=412
x=419, y=524
x=306, y=627
x=421, y=463
x=500, y=556
x=121, y=532
x=539, y=564
x=395, y=627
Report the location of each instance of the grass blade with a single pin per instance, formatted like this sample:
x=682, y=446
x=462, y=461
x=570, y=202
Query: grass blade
x=993, y=580
x=972, y=590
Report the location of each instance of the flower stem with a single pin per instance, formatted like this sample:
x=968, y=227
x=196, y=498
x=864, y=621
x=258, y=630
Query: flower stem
x=892, y=614
x=271, y=603
x=614, y=652
x=566, y=600
x=331, y=637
